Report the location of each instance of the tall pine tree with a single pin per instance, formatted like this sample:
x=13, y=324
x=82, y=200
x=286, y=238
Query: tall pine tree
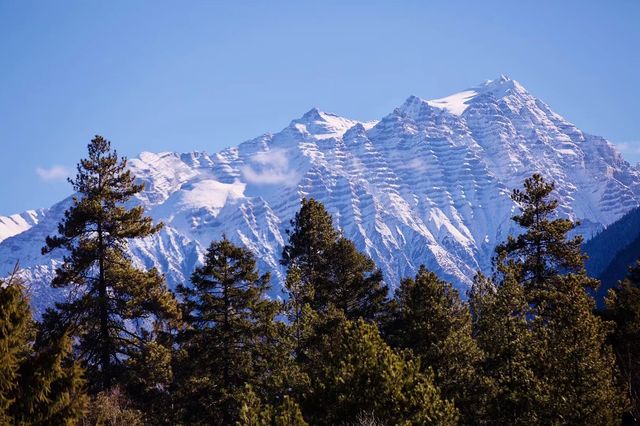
x=330, y=271
x=575, y=364
x=232, y=338
x=623, y=308
x=354, y=372
x=570, y=359
x=510, y=389
x=106, y=292
x=40, y=383
x=16, y=334
x=311, y=239
x=430, y=319
x=543, y=249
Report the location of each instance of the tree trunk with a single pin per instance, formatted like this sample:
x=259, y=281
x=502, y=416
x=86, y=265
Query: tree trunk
x=227, y=406
x=105, y=361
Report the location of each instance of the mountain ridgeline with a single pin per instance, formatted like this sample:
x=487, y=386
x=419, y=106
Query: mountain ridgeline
x=429, y=184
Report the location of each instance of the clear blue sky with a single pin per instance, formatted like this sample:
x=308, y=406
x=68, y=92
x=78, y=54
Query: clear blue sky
x=202, y=75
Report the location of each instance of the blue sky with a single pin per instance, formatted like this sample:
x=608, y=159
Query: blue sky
x=203, y=75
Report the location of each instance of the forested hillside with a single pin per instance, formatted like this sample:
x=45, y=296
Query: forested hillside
x=613, y=251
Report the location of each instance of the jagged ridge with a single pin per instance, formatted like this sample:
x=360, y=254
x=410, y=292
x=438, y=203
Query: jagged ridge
x=427, y=184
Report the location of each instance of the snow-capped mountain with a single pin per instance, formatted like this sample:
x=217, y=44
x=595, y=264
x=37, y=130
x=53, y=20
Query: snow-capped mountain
x=427, y=184
x=18, y=223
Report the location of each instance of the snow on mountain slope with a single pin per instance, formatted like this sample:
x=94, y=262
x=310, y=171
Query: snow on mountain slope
x=17, y=223
x=427, y=184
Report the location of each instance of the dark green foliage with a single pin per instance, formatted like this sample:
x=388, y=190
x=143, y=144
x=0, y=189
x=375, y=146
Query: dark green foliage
x=232, y=338
x=52, y=385
x=311, y=238
x=355, y=284
x=254, y=412
x=543, y=249
x=330, y=271
x=299, y=313
x=354, y=371
x=430, y=319
x=575, y=366
x=149, y=378
x=106, y=291
x=510, y=386
x=39, y=383
x=16, y=334
x=328, y=282
x=527, y=349
x=573, y=373
x=623, y=308
x=545, y=362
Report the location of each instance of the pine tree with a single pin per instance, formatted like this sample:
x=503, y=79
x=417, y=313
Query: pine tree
x=107, y=293
x=509, y=387
x=310, y=240
x=51, y=385
x=576, y=366
x=543, y=250
x=355, y=284
x=330, y=271
x=39, y=382
x=623, y=308
x=431, y=320
x=354, y=371
x=571, y=362
x=254, y=412
x=232, y=337
x=16, y=333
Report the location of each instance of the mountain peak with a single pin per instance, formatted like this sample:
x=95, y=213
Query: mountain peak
x=501, y=86
x=322, y=124
x=431, y=191
x=312, y=115
x=457, y=103
x=414, y=106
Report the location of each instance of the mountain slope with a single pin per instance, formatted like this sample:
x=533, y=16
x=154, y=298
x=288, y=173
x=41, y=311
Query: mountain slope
x=626, y=257
x=428, y=183
x=613, y=251
x=18, y=223
x=603, y=248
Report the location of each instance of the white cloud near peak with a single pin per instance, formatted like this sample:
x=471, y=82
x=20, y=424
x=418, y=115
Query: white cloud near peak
x=630, y=147
x=52, y=174
x=270, y=168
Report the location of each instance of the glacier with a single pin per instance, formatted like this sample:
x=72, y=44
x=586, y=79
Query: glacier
x=428, y=184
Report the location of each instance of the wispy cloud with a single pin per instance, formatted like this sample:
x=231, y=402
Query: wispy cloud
x=270, y=168
x=628, y=147
x=417, y=164
x=275, y=158
x=53, y=173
